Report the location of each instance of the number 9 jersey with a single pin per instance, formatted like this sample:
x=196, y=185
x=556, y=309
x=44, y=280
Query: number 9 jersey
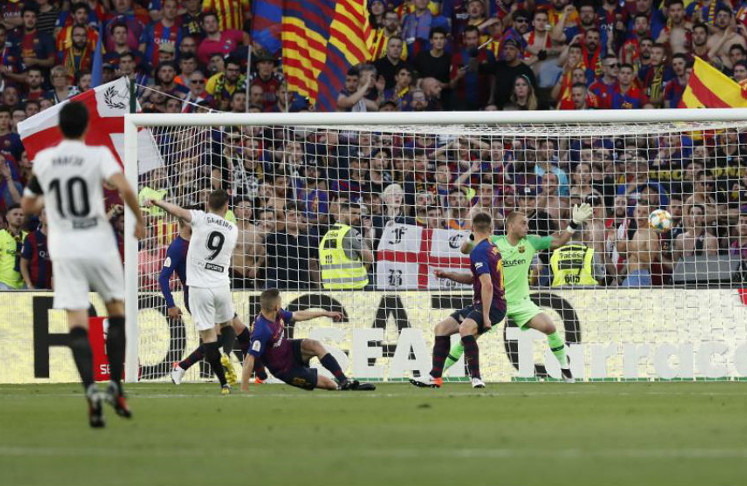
x=210, y=250
x=71, y=176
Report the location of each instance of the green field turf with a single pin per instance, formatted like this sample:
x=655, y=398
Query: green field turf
x=524, y=434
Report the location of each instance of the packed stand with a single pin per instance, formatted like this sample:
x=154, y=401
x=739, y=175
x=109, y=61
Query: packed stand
x=288, y=186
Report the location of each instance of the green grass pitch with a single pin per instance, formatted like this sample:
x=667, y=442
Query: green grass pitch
x=520, y=434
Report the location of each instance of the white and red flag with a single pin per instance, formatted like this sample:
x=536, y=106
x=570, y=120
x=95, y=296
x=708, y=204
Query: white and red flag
x=107, y=105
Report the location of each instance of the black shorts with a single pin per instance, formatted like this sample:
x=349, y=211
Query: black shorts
x=474, y=312
x=300, y=374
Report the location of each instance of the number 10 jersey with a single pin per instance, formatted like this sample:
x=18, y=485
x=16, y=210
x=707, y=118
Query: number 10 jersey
x=210, y=250
x=71, y=176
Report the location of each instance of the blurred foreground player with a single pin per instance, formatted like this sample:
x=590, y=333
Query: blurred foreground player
x=288, y=359
x=488, y=307
x=176, y=261
x=208, y=258
x=71, y=176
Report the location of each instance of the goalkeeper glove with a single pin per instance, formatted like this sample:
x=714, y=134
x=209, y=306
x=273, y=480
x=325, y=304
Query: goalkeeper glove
x=580, y=215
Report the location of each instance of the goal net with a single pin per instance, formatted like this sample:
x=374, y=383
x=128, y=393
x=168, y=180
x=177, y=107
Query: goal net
x=632, y=301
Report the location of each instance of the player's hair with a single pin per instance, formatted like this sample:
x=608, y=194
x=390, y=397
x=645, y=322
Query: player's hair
x=217, y=199
x=481, y=222
x=267, y=299
x=513, y=215
x=73, y=119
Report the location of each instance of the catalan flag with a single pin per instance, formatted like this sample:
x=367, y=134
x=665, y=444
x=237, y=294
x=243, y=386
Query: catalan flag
x=321, y=40
x=710, y=88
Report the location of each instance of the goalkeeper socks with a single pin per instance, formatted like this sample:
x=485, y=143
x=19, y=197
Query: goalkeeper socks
x=115, y=348
x=229, y=339
x=82, y=355
x=473, y=355
x=329, y=362
x=193, y=358
x=456, y=352
x=212, y=354
x=440, y=350
x=557, y=346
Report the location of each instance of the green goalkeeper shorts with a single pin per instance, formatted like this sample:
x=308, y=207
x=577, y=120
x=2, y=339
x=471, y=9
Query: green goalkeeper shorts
x=523, y=312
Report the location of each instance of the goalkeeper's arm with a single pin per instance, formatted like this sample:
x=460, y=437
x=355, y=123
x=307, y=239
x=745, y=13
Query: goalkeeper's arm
x=581, y=214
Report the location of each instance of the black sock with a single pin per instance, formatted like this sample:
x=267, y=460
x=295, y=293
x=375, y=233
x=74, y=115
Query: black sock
x=440, y=352
x=329, y=362
x=472, y=354
x=259, y=370
x=82, y=355
x=115, y=348
x=212, y=354
x=229, y=339
x=244, y=336
x=193, y=358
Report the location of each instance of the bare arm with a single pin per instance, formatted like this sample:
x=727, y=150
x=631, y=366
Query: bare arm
x=174, y=210
x=246, y=372
x=25, y=273
x=345, y=102
x=307, y=315
x=463, y=278
x=560, y=238
x=710, y=245
x=130, y=198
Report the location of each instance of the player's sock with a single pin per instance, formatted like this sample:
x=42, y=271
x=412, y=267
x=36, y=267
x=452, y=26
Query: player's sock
x=473, y=355
x=229, y=339
x=259, y=370
x=82, y=355
x=244, y=338
x=456, y=352
x=440, y=350
x=193, y=358
x=329, y=362
x=212, y=354
x=115, y=348
x=557, y=346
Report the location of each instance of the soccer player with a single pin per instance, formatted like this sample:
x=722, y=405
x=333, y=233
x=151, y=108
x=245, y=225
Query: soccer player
x=208, y=258
x=288, y=359
x=518, y=249
x=68, y=179
x=488, y=307
x=176, y=261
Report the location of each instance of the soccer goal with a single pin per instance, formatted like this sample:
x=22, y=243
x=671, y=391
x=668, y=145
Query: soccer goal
x=651, y=288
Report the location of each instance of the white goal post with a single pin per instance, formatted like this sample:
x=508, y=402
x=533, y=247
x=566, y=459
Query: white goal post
x=565, y=128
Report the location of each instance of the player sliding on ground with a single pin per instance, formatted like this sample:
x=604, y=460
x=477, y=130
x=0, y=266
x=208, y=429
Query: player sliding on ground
x=176, y=261
x=68, y=179
x=208, y=258
x=288, y=359
x=518, y=249
x=488, y=307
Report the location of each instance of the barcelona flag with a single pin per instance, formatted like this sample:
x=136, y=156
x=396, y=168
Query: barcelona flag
x=710, y=88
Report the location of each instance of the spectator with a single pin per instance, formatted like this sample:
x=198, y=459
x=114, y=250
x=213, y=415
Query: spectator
x=604, y=87
x=78, y=57
x=696, y=240
x=196, y=93
x=522, y=96
x=166, y=30
x=417, y=26
x=61, y=88
x=80, y=16
x=395, y=210
x=120, y=45
x=676, y=34
x=10, y=61
x=359, y=89
x=581, y=99
x=506, y=72
x=435, y=62
x=37, y=48
x=547, y=162
x=344, y=253
x=471, y=86
x=740, y=71
x=35, y=264
x=641, y=249
x=249, y=255
x=390, y=27
x=191, y=22
x=389, y=65
x=674, y=89
x=11, y=243
x=432, y=90
x=267, y=79
x=217, y=41
x=123, y=14
x=400, y=94
x=628, y=95
x=700, y=41
x=9, y=142
x=291, y=261
x=222, y=85
x=188, y=45
x=232, y=14
x=724, y=36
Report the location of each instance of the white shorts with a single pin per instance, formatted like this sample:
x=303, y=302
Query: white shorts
x=210, y=306
x=74, y=278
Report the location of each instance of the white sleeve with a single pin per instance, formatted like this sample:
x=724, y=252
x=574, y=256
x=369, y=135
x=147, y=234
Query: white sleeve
x=198, y=217
x=109, y=165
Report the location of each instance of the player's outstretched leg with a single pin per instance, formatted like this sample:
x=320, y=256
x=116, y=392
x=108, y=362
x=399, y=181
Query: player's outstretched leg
x=227, y=340
x=115, y=350
x=468, y=332
x=311, y=348
x=83, y=357
x=543, y=323
x=443, y=330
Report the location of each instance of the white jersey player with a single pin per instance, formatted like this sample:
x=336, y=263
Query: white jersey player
x=68, y=180
x=208, y=259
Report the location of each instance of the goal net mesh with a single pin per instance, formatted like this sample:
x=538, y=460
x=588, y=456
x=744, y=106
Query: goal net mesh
x=632, y=303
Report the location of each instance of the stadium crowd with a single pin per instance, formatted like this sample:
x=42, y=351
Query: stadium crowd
x=288, y=186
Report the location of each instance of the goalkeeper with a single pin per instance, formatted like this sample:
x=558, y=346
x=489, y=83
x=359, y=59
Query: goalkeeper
x=517, y=249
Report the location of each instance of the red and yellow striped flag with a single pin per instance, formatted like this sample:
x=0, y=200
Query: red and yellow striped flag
x=710, y=88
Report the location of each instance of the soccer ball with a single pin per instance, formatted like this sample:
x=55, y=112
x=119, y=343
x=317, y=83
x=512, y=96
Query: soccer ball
x=660, y=221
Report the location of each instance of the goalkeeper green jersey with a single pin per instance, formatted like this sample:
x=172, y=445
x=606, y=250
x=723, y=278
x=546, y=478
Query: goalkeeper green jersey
x=516, y=262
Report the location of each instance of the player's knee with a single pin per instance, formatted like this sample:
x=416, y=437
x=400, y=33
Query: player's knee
x=313, y=346
x=550, y=328
x=468, y=328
